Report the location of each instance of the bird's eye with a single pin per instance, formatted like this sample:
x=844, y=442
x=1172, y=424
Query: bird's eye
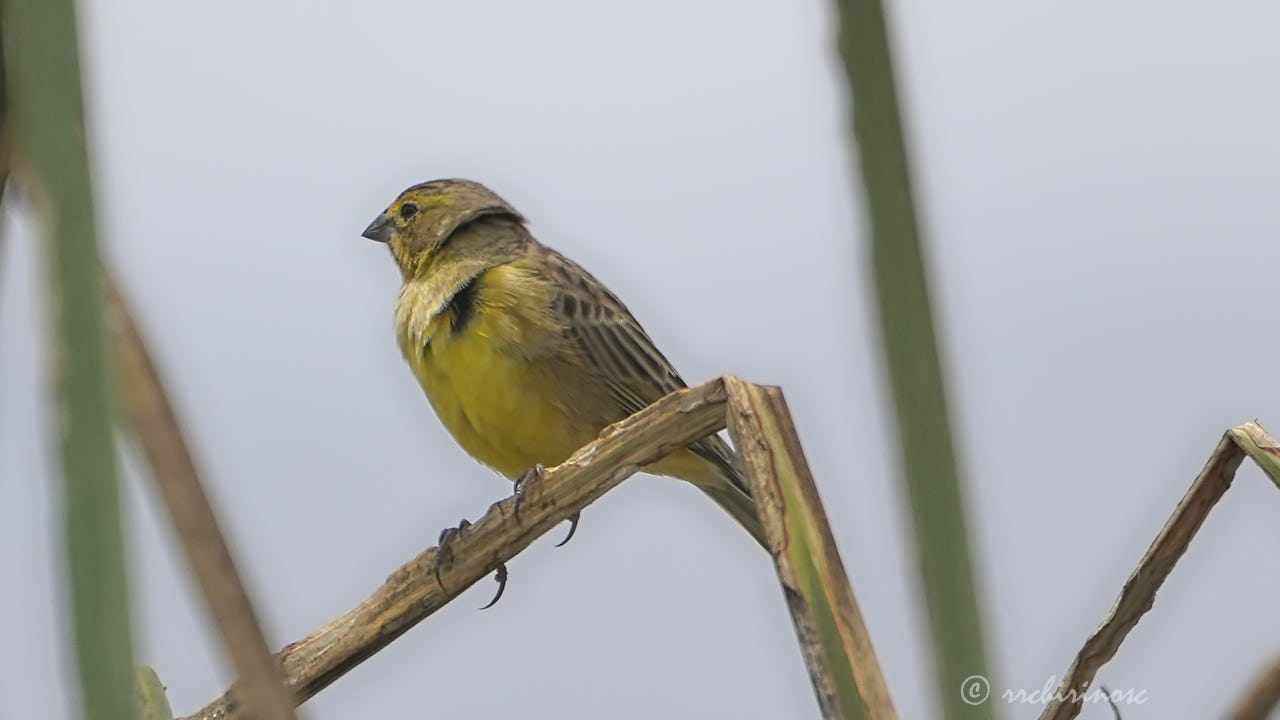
x=408, y=210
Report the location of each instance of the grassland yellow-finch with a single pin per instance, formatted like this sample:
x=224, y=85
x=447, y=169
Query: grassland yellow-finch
x=523, y=354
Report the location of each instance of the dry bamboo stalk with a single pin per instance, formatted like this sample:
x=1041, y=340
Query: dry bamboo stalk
x=833, y=638
x=412, y=592
x=1139, y=591
x=1262, y=697
x=156, y=426
x=1260, y=447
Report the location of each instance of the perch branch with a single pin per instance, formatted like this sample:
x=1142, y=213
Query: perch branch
x=1139, y=592
x=156, y=427
x=833, y=638
x=412, y=593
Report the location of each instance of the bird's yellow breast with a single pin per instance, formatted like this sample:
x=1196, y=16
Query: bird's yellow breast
x=494, y=368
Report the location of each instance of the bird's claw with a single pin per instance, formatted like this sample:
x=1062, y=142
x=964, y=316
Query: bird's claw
x=500, y=575
x=444, y=553
x=573, y=527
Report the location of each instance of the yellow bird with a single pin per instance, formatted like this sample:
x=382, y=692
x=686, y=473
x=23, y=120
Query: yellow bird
x=523, y=354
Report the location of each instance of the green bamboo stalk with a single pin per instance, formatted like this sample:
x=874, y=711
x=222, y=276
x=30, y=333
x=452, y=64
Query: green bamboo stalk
x=912, y=358
x=151, y=696
x=5, y=141
x=51, y=160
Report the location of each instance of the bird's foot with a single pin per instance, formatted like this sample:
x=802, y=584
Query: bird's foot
x=444, y=556
x=444, y=550
x=523, y=483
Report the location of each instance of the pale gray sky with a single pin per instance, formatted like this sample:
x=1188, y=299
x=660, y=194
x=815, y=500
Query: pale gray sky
x=1099, y=184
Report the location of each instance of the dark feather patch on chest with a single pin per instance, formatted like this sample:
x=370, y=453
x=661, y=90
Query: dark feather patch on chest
x=462, y=306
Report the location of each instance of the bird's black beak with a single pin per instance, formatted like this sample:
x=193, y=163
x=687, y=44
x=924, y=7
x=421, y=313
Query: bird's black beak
x=379, y=230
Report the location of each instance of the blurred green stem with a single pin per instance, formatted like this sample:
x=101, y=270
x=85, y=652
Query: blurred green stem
x=51, y=160
x=912, y=359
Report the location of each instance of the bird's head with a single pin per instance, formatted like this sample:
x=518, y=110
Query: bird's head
x=423, y=217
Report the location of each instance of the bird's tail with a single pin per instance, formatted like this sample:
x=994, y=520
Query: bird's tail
x=728, y=485
x=712, y=466
x=730, y=496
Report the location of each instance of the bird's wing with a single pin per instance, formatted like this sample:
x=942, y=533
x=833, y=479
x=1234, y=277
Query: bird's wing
x=619, y=352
